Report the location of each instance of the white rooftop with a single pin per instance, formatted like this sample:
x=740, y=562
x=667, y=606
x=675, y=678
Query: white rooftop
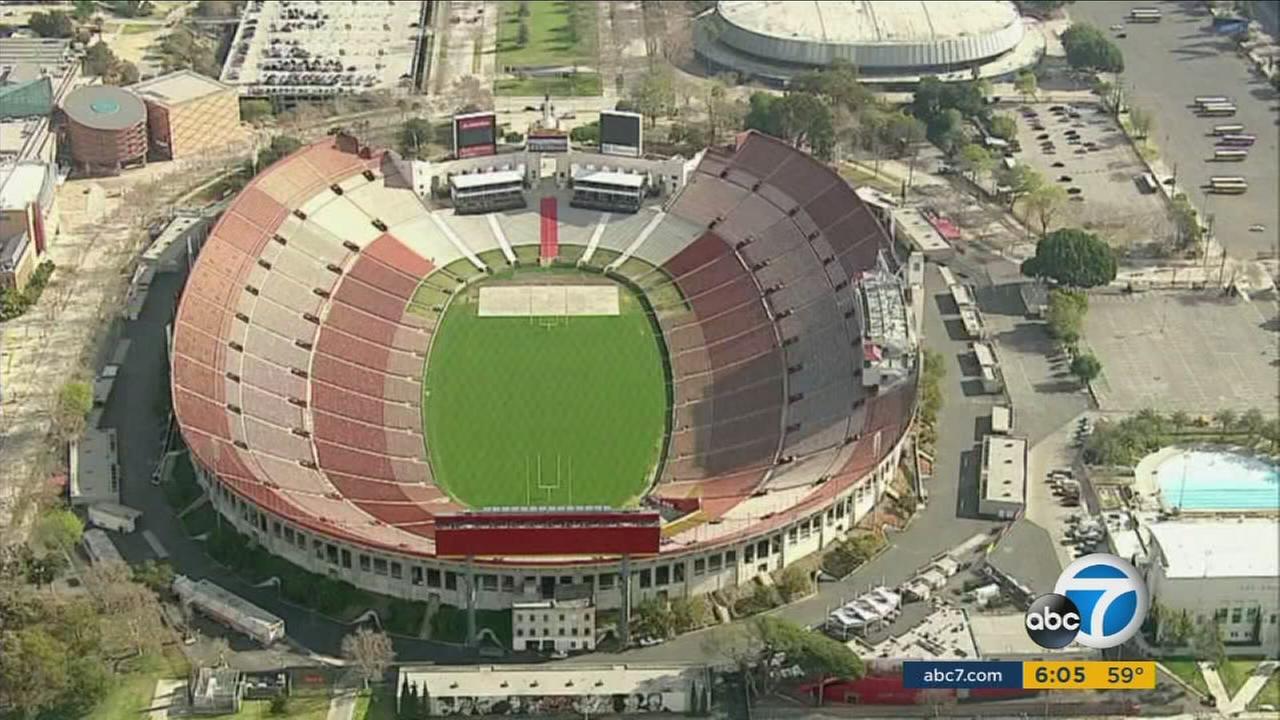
x=20, y=184
x=485, y=179
x=872, y=23
x=542, y=680
x=610, y=177
x=1219, y=548
x=1006, y=468
x=178, y=87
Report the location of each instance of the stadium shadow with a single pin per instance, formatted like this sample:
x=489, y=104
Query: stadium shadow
x=740, y=425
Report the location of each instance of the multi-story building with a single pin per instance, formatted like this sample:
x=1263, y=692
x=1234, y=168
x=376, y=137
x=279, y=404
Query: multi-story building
x=565, y=622
x=188, y=113
x=107, y=127
x=28, y=218
x=1225, y=572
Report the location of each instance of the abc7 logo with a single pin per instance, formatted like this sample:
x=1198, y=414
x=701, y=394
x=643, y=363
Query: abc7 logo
x=1099, y=601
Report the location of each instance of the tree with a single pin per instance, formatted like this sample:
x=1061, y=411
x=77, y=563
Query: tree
x=690, y=613
x=83, y=9
x=1226, y=419
x=974, y=160
x=126, y=74
x=415, y=134
x=158, y=576
x=75, y=399
x=805, y=120
x=1088, y=49
x=794, y=583
x=252, y=109
x=761, y=114
x=409, y=698
x=1044, y=203
x=653, y=619
x=945, y=129
x=1021, y=179
x=522, y=34
x=1180, y=419
x=588, y=134
x=655, y=96
x=1142, y=121
x=132, y=8
x=184, y=49
x=57, y=530
x=1253, y=423
x=33, y=670
x=219, y=8
x=723, y=113
x=837, y=83
x=134, y=612
x=1086, y=367
x=816, y=654
x=280, y=146
x=52, y=24
x=1207, y=643
x=899, y=130
x=370, y=651
x=1003, y=127
x=1065, y=314
x=1074, y=258
x=1026, y=84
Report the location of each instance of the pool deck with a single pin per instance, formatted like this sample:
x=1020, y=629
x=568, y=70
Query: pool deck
x=1146, y=483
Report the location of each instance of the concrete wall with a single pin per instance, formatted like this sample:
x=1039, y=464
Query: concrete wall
x=1230, y=600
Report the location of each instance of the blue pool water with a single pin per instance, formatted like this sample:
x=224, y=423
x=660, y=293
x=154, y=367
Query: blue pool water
x=1207, y=480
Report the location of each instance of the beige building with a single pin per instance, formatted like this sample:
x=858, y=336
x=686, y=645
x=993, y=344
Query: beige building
x=188, y=113
x=564, y=623
x=28, y=219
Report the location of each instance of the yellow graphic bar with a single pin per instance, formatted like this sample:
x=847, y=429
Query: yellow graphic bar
x=1089, y=675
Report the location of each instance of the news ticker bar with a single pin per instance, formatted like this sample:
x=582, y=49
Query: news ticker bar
x=1030, y=675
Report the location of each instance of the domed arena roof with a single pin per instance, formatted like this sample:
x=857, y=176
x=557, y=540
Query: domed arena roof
x=870, y=35
x=104, y=107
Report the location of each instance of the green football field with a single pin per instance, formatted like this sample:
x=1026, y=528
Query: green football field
x=542, y=411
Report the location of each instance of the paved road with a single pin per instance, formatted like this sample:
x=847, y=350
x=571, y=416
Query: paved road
x=1169, y=63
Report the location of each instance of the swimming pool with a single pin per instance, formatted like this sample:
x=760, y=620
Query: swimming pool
x=1217, y=480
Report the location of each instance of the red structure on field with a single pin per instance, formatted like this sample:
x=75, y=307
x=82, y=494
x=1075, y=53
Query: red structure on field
x=555, y=532
x=550, y=230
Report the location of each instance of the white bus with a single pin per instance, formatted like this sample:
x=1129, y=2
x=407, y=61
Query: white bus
x=1218, y=110
x=1202, y=100
x=1221, y=130
x=1230, y=155
x=1141, y=15
x=1241, y=140
x=1228, y=185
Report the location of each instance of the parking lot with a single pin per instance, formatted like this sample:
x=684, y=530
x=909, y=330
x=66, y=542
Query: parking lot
x=1082, y=149
x=1199, y=352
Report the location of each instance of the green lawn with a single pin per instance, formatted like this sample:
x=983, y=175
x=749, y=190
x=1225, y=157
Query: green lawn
x=379, y=705
x=1188, y=672
x=552, y=38
x=1269, y=694
x=301, y=707
x=1234, y=673
x=578, y=85
x=130, y=695
x=521, y=413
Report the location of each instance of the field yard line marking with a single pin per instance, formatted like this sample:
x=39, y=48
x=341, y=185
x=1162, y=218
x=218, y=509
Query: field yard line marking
x=457, y=241
x=594, y=242
x=496, y=229
x=644, y=235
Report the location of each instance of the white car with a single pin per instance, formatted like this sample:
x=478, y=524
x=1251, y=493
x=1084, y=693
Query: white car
x=1117, y=27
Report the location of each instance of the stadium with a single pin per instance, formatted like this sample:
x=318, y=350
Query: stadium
x=515, y=370
x=891, y=44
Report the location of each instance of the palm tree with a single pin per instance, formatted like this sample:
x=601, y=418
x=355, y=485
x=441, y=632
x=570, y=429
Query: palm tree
x=1180, y=420
x=1226, y=420
x=1252, y=422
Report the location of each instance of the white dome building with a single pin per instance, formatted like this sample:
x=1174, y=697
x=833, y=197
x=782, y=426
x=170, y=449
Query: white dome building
x=889, y=42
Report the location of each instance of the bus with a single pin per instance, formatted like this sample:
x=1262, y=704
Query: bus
x=1218, y=110
x=1141, y=15
x=1147, y=183
x=1227, y=129
x=1202, y=100
x=1241, y=140
x=1228, y=185
x=1230, y=155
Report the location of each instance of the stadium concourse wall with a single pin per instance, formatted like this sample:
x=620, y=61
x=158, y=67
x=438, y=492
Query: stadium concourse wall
x=735, y=561
x=428, y=178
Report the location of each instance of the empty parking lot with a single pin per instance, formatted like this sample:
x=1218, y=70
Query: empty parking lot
x=1194, y=351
